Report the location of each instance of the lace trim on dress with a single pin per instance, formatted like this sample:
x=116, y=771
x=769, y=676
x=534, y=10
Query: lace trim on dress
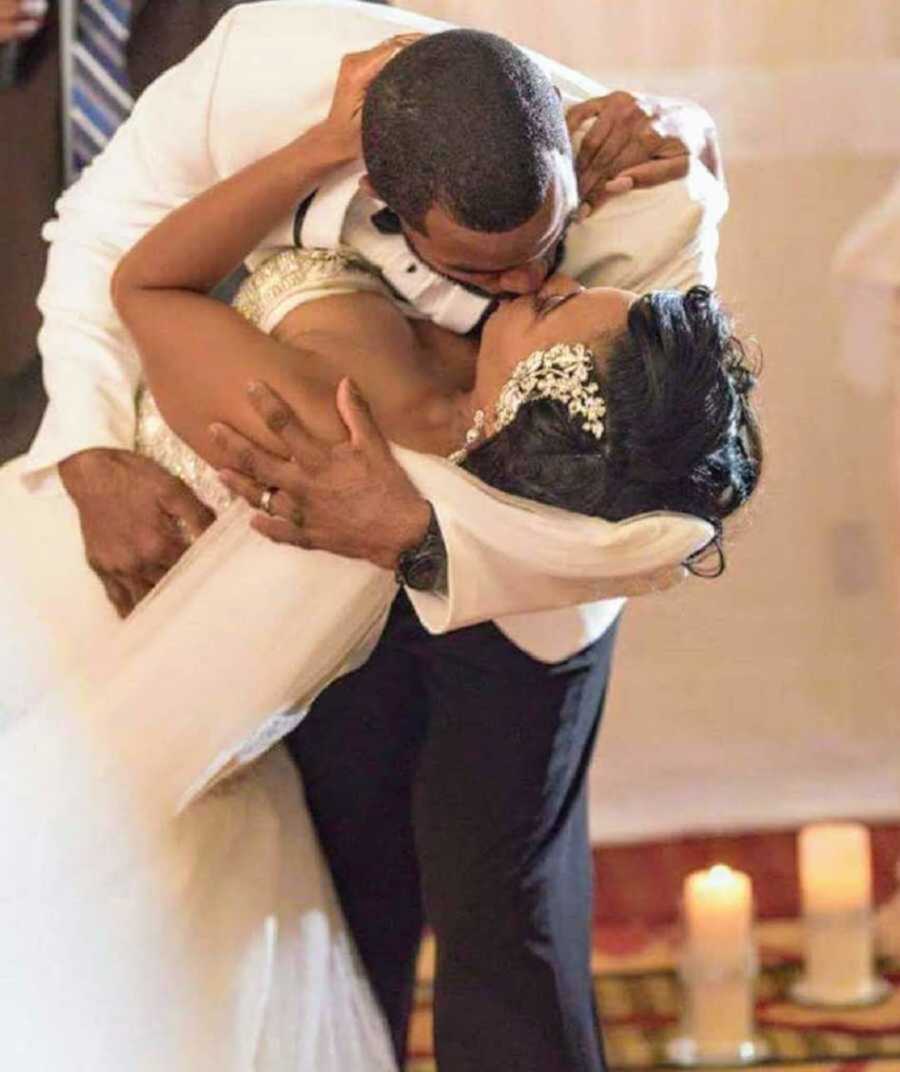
x=279, y=279
x=155, y=440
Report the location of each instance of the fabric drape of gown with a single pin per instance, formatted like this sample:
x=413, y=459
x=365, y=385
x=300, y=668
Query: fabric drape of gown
x=131, y=938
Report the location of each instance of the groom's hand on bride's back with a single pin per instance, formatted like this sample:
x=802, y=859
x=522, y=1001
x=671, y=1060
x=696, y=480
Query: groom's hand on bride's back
x=137, y=520
x=350, y=497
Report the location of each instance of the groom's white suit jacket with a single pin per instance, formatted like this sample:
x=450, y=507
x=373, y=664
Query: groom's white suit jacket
x=266, y=73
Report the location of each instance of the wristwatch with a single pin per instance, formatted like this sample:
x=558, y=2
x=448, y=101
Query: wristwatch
x=424, y=567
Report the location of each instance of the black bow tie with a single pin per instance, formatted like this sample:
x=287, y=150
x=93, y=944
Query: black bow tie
x=493, y=306
x=387, y=222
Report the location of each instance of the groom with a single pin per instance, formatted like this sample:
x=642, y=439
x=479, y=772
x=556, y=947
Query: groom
x=450, y=769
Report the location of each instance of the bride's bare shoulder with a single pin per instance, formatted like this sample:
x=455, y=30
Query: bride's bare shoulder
x=362, y=318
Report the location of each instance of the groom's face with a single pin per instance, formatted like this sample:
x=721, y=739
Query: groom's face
x=505, y=263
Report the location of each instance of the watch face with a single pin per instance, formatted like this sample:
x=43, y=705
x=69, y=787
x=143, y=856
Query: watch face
x=415, y=569
x=422, y=568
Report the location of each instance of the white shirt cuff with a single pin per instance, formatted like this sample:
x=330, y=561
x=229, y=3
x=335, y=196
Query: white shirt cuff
x=90, y=418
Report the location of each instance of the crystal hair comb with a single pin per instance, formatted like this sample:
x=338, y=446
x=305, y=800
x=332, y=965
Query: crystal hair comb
x=564, y=372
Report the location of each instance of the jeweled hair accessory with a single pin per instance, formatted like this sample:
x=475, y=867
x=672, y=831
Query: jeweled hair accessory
x=564, y=372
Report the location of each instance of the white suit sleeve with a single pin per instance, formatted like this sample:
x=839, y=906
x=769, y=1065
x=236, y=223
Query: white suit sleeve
x=158, y=159
x=507, y=555
x=664, y=237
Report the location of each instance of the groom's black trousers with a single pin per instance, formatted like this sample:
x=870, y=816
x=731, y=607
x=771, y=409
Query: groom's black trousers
x=450, y=772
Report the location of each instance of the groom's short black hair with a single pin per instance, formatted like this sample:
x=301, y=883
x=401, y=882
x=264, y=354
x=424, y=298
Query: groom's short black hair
x=466, y=120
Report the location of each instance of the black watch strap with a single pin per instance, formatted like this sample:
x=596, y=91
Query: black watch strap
x=424, y=567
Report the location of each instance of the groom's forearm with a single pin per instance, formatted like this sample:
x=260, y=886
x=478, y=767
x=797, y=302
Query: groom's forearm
x=157, y=160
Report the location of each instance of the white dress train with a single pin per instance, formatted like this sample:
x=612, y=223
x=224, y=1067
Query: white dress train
x=131, y=937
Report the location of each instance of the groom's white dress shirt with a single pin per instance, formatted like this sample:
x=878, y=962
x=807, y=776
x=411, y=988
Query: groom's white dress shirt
x=340, y=213
x=266, y=73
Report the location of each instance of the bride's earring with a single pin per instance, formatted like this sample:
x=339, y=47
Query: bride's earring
x=472, y=436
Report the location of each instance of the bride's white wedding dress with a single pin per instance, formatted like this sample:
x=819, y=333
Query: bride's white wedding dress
x=163, y=901
x=131, y=938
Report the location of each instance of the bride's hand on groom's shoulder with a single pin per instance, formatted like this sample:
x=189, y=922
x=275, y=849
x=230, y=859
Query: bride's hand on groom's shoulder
x=623, y=142
x=137, y=520
x=357, y=72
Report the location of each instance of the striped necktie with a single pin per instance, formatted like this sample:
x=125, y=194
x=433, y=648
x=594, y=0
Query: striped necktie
x=100, y=97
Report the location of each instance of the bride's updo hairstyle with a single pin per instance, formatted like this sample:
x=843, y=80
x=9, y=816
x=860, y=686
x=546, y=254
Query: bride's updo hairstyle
x=679, y=431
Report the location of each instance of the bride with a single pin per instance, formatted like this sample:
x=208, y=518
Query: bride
x=165, y=902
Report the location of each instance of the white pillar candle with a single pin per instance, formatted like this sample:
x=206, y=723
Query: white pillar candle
x=719, y=1016
x=835, y=867
x=836, y=884
x=718, y=915
x=718, y=969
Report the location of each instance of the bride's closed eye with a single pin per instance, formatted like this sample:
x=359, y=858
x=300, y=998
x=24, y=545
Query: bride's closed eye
x=545, y=305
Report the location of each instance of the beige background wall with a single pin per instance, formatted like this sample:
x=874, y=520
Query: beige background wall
x=768, y=696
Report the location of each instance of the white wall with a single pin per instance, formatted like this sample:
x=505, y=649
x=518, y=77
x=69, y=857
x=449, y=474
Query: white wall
x=770, y=695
